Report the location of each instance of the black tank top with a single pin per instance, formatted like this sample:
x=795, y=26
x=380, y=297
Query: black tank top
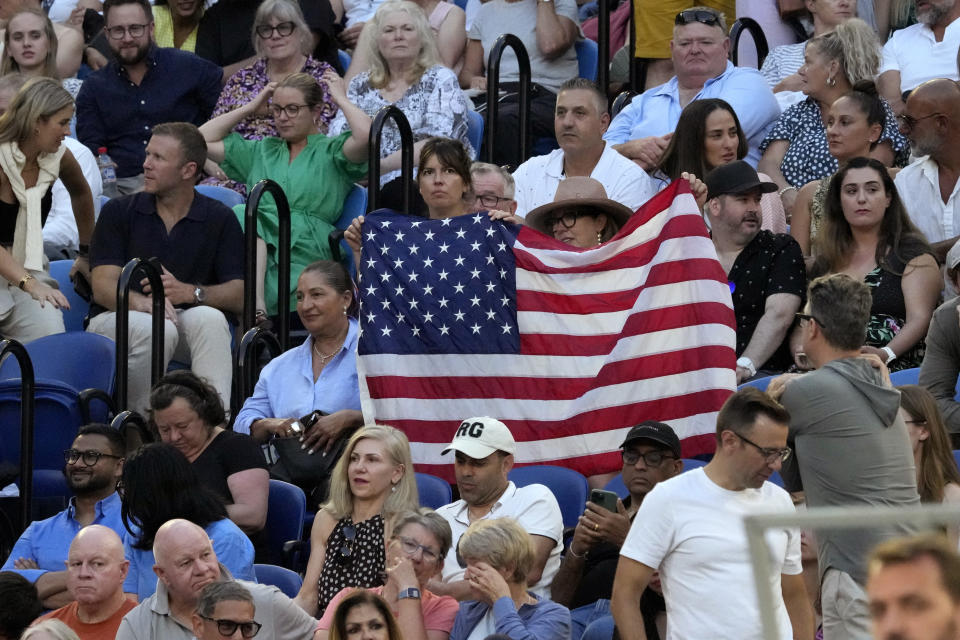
x=9, y=212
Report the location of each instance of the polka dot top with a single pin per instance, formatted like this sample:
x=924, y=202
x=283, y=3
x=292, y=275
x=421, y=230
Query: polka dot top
x=355, y=557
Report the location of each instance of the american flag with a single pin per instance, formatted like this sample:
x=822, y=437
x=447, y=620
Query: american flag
x=569, y=347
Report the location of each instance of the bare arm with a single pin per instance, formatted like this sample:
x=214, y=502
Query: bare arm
x=216, y=129
x=81, y=199
x=459, y=590
x=69, y=50
x=555, y=34
x=888, y=85
x=777, y=317
x=52, y=589
x=646, y=152
x=355, y=147
x=800, y=222
x=770, y=165
x=472, y=65
x=249, y=490
x=628, y=585
x=921, y=285
x=308, y=597
x=798, y=606
x=231, y=69
x=542, y=546
x=452, y=37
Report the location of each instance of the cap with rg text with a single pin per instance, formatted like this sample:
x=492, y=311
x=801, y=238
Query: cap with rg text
x=479, y=437
x=735, y=177
x=656, y=432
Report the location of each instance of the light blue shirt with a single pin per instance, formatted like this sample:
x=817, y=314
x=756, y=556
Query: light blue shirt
x=286, y=388
x=47, y=542
x=655, y=112
x=232, y=546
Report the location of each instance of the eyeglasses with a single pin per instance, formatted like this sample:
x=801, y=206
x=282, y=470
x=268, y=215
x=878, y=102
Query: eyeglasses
x=229, y=627
x=770, y=455
x=135, y=31
x=566, y=218
x=908, y=122
x=411, y=546
x=489, y=200
x=290, y=109
x=697, y=15
x=89, y=457
x=800, y=317
x=650, y=458
x=283, y=29
x=346, y=549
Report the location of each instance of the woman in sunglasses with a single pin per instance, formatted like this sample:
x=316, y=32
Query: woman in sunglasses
x=580, y=214
x=316, y=172
x=372, y=482
x=415, y=555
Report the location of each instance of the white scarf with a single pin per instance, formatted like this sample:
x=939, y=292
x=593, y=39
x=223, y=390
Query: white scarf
x=28, y=234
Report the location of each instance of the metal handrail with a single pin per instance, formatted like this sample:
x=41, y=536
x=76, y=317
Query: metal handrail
x=390, y=112
x=244, y=368
x=283, y=257
x=125, y=420
x=27, y=402
x=756, y=32
x=153, y=271
x=603, y=44
x=493, y=91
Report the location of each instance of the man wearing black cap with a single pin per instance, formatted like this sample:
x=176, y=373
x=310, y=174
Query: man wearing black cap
x=651, y=454
x=766, y=270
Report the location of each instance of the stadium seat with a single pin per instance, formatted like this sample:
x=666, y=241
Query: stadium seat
x=72, y=317
x=354, y=205
x=475, y=130
x=344, y=59
x=776, y=479
x=289, y=582
x=691, y=463
x=228, y=197
x=905, y=376
x=956, y=457
x=759, y=383
x=434, y=492
x=587, y=55
x=616, y=485
x=569, y=487
x=286, y=510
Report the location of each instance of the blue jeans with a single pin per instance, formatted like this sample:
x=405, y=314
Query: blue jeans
x=591, y=621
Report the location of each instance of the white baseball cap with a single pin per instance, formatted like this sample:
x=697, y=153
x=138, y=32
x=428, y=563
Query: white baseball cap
x=479, y=437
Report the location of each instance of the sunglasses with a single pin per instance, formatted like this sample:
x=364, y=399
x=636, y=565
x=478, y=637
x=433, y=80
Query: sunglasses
x=346, y=549
x=229, y=627
x=702, y=16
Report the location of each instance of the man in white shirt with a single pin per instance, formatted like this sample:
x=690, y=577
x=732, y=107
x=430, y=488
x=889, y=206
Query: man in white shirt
x=922, y=51
x=580, y=121
x=690, y=528
x=929, y=186
x=60, y=236
x=484, y=456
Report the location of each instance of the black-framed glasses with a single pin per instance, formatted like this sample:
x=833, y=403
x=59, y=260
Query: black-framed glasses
x=702, y=16
x=908, y=122
x=489, y=200
x=229, y=627
x=411, y=546
x=770, y=455
x=566, y=218
x=135, y=31
x=290, y=109
x=650, y=458
x=89, y=457
x=800, y=317
x=284, y=29
x=349, y=532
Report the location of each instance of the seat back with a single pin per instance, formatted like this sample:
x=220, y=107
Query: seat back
x=434, y=492
x=588, y=53
x=286, y=510
x=569, y=487
x=759, y=383
x=56, y=419
x=287, y=581
x=78, y=359
x=475, y=130
x=72, y=317
x=344, y=58
x=905, y=376
x=354, y=205
x=228, y=197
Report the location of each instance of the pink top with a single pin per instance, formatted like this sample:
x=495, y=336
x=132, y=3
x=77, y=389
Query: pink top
x=438, y=15
x=772, y=216
x=438, y=611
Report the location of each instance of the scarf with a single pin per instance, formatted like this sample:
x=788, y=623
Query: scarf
x=28, y=233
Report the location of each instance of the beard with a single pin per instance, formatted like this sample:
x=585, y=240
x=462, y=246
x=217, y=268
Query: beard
x=88, y=482
x=934, y=13
x=128, y=57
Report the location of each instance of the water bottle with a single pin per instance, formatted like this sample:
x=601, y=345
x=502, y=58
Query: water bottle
x=108, y=173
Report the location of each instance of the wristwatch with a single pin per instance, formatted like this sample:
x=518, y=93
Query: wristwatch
x=746, y=363
x=891, y=356
x=199, y=295
x=411, y=592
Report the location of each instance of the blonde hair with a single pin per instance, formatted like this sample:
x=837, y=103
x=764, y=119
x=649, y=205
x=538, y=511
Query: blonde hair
x=56, y=629
x=285, y=11
x=855, y=46
x=306, y=84
x=9, y=65
x=427, y=57
x=37, y=100
x=402, y=496
x=500, y=542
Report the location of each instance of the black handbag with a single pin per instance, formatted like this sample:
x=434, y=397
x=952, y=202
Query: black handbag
x=297, y=466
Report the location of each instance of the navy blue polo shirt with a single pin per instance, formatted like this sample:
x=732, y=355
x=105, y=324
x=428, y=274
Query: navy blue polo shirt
x=205, y=247
x=115, y=113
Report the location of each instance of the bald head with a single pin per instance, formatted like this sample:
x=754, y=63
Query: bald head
x=97, y=536
x=931, y=119
x=173, y=534
x=96, y=569
x=184, y=560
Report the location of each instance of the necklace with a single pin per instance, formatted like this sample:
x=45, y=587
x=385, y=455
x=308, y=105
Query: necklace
x=324, y=358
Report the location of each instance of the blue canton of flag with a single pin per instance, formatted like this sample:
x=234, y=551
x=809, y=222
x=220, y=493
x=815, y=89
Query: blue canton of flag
x=437, y=286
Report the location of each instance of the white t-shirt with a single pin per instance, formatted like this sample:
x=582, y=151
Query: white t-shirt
x=919, y=57
x=537, y=511
x=60, y=228
x=624, y=181
x=919, y=187
x=692, y=530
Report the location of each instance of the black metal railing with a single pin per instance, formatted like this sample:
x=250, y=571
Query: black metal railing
x=390, y=112
x=27, y=403
x=603, y=45
x=246, y=356
x=756, y=32
x=151, y=269
x=133, y=427
x=493, y=92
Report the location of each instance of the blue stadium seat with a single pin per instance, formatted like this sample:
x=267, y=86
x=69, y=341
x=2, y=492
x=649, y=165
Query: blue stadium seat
x=776, y=479
x=616, y=485
x=956, y=457
x=344, y=59
x=569, y=487
x=228, y=197
x=588, y=54
x=759, y=383
x=434, y=492
x=691, y=463
x=475, y=130
x=72, y=317
x=289, y=582
x=286, y=510
x=354, y=205
x=905, y=376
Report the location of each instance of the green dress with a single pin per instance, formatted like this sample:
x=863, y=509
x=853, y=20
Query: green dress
x=315, y=183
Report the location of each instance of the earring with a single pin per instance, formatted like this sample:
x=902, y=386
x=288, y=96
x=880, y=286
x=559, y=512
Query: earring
x=831, y=82
x=344, y=311
x=599, y=238
x=393, y=489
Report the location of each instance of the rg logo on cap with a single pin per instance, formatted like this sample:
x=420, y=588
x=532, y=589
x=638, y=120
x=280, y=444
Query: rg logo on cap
x=472, y=429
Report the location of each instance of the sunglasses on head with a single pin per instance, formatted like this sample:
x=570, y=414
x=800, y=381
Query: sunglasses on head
x=702, y=16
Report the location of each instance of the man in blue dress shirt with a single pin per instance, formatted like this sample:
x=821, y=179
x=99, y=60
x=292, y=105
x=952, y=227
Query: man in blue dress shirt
x=93, y=467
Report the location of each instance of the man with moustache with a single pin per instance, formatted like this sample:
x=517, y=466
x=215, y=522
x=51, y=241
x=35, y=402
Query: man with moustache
x=145, y=85
x=94, y=464
x=766, y=270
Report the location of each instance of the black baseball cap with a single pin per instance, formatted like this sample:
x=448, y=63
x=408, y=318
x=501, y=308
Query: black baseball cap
x=735, y=177
x=654, y=431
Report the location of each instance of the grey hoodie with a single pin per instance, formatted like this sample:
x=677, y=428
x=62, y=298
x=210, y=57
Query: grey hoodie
x=850, y=448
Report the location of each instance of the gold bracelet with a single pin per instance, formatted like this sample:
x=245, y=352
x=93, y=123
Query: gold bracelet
x=23, y=281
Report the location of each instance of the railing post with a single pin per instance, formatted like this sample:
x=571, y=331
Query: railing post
x=27, y=401
x=406, y=157
x=283, y=257
x=493, y=91
x=244, y=359
x=152, y=270
x=603, y=43
x=126, y=420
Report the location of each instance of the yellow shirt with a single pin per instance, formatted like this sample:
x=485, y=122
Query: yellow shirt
x=163, y=30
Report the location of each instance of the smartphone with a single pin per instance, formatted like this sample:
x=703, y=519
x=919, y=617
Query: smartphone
x=606, y=499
